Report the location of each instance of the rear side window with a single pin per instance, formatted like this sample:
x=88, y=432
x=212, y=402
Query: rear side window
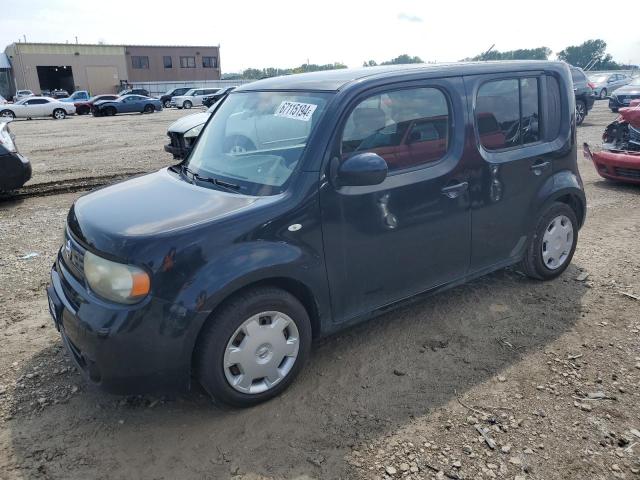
x=552, y=104
x=407, y=128
x=508, y=113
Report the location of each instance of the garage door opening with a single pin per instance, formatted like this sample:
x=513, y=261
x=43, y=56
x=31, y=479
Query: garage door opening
x=52, y=78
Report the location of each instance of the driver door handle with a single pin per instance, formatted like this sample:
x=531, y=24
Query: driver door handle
x=539, y=166
x=454, y=191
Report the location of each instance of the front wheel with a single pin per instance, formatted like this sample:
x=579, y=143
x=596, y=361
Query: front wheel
x=187, y=104
x=554, y=241
x=254, y=347
x=148, y=109
x=603, y=94
x=614, y=110
x=167, y=103
x=59, y=114
x=581, y=111
x=7, y=114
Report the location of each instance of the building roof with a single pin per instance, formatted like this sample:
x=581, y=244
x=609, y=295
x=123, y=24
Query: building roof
x=4, y=62
x=332, y=80
x=114, y=45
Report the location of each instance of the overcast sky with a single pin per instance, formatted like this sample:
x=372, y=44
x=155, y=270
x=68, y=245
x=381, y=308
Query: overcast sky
x=259, y=33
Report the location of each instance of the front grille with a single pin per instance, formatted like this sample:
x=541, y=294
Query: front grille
x=626, y=99
x=627, y=172
x=177, y=140
x=73, y=257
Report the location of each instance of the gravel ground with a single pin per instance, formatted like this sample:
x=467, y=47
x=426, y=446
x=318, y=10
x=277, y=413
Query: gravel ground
x=86, y=146
x=500, y=378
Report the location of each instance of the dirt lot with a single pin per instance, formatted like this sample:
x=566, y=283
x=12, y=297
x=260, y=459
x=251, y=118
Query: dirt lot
x=550, y=370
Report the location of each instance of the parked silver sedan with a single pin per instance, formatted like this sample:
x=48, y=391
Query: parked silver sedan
x=605, y=83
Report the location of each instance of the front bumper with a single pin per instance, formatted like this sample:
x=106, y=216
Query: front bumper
x=15, y=171
x=121, y=349
x=619, y=166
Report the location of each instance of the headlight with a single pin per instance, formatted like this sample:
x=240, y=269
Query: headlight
x=5, y=138
x=194, y=132
x=115, y=281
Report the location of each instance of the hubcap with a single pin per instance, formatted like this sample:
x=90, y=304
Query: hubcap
x=557, y=242
x=261, y=352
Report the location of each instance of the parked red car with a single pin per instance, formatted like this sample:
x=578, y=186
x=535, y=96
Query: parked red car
x=619, y=158
x=84, y=107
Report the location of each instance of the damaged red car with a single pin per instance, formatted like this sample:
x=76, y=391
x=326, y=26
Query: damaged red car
x=619, y=158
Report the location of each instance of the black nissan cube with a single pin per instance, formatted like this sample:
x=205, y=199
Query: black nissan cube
x=309, y=203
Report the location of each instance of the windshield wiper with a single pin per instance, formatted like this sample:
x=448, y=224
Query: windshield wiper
x=231, y=187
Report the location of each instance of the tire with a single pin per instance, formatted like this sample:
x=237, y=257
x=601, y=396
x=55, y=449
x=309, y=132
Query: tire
x=187, y=104
x=581, y=111
x=148, y=109
x=603, y=94
x=7, y=114
x=614, y=110
x=537, y=260
x=59, y=114
x=83, y=111
x=215, y=348
x=166, y=103
x=110, y=111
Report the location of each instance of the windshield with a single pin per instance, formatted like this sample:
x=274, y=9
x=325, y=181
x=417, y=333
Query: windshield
x=598, y=78
x=189, y=92
x=255, y=139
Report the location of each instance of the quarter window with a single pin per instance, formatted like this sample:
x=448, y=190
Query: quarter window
x=168, y=63
x=508, y=113
x=187, y=62
x=139, y=61
x=407, y=128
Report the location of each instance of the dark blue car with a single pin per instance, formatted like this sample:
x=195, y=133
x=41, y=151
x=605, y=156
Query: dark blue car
x=126, y=104
x=309, y=203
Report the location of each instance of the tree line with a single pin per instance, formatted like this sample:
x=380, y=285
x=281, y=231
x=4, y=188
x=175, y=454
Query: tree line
x=591, y=53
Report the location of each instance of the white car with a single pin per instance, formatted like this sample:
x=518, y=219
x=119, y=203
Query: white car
x=192, y=98
x=31, y=107
x=20, y=94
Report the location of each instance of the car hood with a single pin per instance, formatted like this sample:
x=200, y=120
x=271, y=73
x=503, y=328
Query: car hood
x=185, y=124
x=137, y=211
x=628, y=90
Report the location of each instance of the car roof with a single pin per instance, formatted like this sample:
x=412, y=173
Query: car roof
x=333, y=80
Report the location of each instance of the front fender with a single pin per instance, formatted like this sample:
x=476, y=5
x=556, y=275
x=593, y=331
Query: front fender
x=245, y=264
x=560, y=185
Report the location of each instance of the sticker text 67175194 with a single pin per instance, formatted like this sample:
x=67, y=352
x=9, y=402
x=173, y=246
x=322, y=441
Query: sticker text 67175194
x=295, y=110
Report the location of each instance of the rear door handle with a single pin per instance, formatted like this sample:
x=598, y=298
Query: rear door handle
x=454, y=191
x=538, y=167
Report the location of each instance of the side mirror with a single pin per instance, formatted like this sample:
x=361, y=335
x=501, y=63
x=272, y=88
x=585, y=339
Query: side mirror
x=362, y=169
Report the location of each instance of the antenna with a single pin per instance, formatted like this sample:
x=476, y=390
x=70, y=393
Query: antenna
x=487, y=52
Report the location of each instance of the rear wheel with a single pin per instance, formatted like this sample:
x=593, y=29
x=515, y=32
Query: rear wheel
x=581, y=111
x=148, y=109
x=554, y=241
x=7, y=114
x=59, y=114
x=253, y=348
x=187, y=104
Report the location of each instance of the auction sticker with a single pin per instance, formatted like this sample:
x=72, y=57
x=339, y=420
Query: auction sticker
x=296, y=110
